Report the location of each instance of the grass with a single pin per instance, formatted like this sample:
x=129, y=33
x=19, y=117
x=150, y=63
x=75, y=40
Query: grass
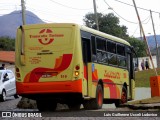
x=143, y=77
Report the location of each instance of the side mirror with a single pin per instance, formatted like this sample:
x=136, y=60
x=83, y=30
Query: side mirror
x=3, y=80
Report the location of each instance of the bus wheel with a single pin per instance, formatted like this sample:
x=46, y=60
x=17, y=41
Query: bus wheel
x=74, y=106
x=41, y=105
x=123, y=97
x=53, y=106
x=44, y=105
x=97, y=102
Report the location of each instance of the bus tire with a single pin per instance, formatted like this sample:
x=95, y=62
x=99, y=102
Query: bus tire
x=123, y=97
x=53, y=106
x=40, y=105
x=97, y=102
x=74, y=106
x=44, y=105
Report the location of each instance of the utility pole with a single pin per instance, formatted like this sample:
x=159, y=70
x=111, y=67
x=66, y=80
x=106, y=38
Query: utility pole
x=148, y=49
x=95, y=13
x=155, y=40
x=23, y=12
x=140, y=32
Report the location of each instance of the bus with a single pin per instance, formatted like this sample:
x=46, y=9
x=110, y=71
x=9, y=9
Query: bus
x=72, y=64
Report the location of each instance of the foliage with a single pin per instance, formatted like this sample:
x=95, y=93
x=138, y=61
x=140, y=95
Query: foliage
x=107, y=23
x=143, y=77
x=138, y=45
x=7, y=44
x=110, y=24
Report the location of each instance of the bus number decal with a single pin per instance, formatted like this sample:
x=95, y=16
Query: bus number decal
x=63, y=76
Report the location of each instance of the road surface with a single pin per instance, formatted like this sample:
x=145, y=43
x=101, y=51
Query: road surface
x=141, y=93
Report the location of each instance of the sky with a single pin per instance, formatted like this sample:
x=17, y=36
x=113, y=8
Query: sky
x=73, y=11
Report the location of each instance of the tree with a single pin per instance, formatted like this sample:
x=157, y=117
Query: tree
x=110, y=24
x=139, y=46
x=7, y=44
x=107, y=23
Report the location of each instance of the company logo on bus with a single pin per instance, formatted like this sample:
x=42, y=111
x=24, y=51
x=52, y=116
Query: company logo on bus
x=46, y=36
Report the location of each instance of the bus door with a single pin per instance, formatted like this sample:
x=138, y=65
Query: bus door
x=130, y=71
x=86, y=51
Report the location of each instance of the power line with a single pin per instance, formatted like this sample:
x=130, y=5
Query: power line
x=119, y=15
x=135, y=31
x=133, y=6
x=48, y=11
x=126, y=19
x=69, y=6
x=148, y=18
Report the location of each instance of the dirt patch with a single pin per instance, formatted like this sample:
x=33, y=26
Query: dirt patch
x=26, y=103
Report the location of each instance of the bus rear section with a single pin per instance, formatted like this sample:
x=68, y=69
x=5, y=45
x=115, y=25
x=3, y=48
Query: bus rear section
x=45, y=68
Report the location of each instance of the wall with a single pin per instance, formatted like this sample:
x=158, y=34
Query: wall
x=150, y=65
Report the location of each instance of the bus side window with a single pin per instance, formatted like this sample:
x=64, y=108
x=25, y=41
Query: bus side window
x=122, y=61
x=120, y=50
x=101, y=50
x=86, y=50
x=101, y=44
x=94, y=57
x=111, y=49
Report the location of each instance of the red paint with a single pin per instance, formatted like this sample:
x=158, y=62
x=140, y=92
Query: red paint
x=49, y=31
x=49, y=41
x=36, y=73
x=95, y=75
x=50, y=87
x=85, y=72
x=42, y=31
x=112, y=88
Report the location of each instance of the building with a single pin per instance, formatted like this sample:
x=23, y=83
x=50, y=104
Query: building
x=150, y=64
x=8, y=58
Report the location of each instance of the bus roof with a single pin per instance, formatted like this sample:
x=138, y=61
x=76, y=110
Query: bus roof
x=82, y=27
x=110, y=37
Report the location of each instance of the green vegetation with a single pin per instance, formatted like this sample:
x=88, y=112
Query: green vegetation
x=143, y=77
x=109, y=23
x=7, y=44
x=138, y=45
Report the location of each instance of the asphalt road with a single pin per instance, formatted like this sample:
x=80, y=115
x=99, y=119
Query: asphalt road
x=66, y=114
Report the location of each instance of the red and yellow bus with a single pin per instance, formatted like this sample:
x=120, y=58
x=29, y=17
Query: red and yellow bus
x=73, y=64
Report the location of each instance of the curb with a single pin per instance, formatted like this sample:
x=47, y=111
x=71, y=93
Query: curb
x=142, y=106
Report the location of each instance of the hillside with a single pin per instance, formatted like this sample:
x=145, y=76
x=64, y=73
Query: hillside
x=151, y=41
x=10, y=22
